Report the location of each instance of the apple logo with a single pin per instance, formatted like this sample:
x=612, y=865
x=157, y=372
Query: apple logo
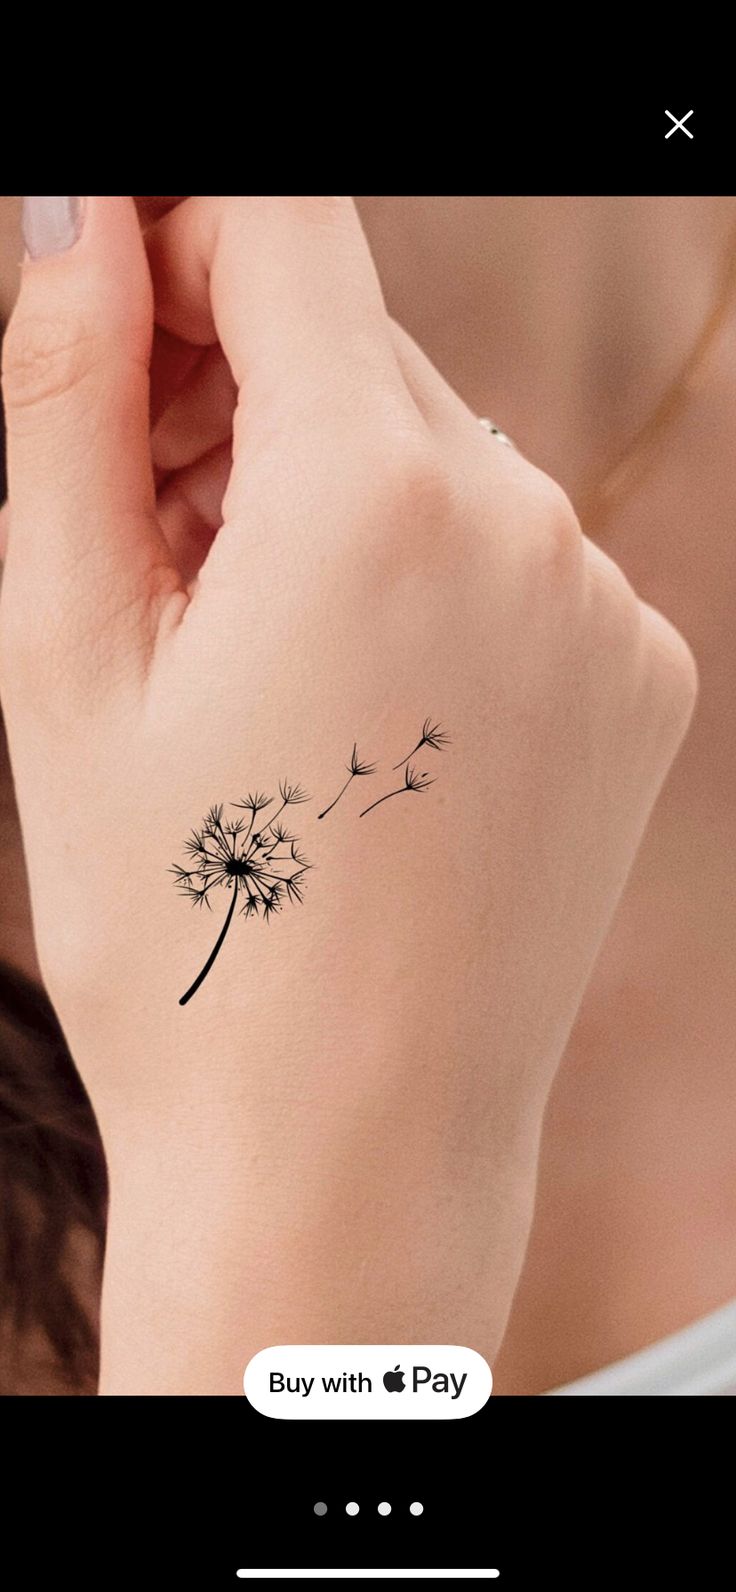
x=393, y=1381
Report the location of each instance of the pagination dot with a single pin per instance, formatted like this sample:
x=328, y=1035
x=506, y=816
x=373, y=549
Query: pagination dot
x=384, y=1509
x=352, y=1509
x=320, y=1509
x=416, y=1509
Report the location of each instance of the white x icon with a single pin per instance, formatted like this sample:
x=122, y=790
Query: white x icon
x=680, y=124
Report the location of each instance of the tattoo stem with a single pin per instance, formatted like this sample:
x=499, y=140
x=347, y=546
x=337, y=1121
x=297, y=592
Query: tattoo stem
x=337, y=798
x=205, y=970
x=404, y=760
x=386, y=798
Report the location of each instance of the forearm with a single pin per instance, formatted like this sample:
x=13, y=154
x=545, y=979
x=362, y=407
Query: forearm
x=354, y=1215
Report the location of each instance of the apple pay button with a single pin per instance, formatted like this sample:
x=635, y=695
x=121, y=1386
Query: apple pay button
x=367, y=1381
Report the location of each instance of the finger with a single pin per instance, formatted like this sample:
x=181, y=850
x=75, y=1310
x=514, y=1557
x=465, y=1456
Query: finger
x=151, y=207
x=190, y=510
x=443, y=408
x=199, y=417
x=286, y=285
x=85, y=537
x=172, y=363
x=453, y=422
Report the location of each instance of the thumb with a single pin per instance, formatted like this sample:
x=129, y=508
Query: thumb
x=85, y=544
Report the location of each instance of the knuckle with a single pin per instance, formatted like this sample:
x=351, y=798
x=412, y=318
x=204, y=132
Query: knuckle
x=542, y=529
x=560, y=535
x=46, y=357
x=671, y=669
x=412, y=518
x=418, y=484
x=613, y=606
x=641, y=653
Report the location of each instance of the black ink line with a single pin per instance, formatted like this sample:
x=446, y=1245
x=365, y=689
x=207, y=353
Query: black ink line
x=226, y=854
x=432, y=735
x=218, y=947
x=412, y=781
x=356, y=770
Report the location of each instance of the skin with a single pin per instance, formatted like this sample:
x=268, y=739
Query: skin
x=481, y=405
x=320, y=1157
x=636, y=1205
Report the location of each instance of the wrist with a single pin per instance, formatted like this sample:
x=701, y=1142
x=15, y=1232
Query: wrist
x=219, y=1247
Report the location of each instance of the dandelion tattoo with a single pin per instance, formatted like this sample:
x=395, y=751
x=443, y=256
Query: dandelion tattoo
x=412, y=781
x=356, y=770
x=262, y=867
x=432, y=735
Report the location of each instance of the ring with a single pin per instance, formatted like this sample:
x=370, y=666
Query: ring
x=495, y=431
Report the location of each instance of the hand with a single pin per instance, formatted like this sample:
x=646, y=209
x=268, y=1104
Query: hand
x=335, y=1139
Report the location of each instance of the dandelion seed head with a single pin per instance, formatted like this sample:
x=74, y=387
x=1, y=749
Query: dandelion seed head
x=413, y=780
x=238, y=867
x=281, y=834
x=291, y=795
x=226, y=854
x=357, y=768
x=254, y=802
x=433, y=735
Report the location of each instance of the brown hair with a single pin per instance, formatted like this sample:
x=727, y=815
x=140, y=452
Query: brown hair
x=53, y=1200
x=53, y=1190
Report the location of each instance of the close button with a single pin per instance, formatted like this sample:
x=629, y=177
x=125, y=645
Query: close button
x=679, y=124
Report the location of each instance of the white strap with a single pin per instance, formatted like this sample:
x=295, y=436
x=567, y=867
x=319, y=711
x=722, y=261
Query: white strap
x=701, y=1359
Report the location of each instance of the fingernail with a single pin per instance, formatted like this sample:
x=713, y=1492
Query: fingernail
x=51, y=225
